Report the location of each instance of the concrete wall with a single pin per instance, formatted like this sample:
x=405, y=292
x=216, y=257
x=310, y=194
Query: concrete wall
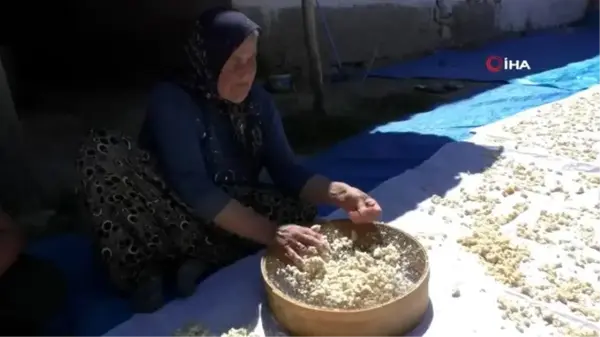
x=401, y=27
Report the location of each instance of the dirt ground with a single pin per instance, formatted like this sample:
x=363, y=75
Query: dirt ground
x=353, y=107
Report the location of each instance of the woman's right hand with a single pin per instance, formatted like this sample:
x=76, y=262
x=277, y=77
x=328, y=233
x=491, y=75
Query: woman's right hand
x=294, y=241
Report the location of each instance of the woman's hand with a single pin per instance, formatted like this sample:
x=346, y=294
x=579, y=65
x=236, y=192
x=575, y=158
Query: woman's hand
x=360, y=206
x=294, y=241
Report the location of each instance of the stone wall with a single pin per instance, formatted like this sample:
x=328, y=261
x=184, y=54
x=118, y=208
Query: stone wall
x=400, y=28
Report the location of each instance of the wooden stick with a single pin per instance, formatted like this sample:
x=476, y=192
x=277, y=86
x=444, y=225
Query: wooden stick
x=315, y=70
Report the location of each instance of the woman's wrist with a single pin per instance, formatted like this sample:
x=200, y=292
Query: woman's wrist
x=321, y=190
x=245, y=222
x=264, y=229
x=337, y=192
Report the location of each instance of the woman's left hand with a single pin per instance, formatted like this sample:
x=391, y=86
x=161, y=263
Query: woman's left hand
x=360, y=206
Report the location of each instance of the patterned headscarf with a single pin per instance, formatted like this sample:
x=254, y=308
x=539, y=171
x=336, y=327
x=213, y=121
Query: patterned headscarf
x=216, y=35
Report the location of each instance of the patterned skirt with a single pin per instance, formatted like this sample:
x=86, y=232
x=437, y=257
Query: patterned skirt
x=142, y=228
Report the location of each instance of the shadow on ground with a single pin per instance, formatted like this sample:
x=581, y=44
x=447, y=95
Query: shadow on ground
x=309, y=134
x=354, y=107
x=386, y=155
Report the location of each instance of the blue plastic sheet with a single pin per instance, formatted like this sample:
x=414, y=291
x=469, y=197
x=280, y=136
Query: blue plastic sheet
x=543, y=51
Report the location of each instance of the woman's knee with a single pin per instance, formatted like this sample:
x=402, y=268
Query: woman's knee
x=105, y=149
x=127, y=257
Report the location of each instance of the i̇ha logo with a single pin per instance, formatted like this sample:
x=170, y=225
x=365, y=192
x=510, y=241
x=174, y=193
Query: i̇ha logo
x=495, y=64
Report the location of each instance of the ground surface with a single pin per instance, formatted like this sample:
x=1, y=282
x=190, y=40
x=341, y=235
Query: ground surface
x=353, y=107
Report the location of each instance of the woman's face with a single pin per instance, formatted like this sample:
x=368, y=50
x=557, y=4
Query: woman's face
x=238, y=73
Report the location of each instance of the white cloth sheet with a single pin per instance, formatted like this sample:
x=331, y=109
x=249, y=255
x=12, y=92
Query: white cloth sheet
x=234, y=297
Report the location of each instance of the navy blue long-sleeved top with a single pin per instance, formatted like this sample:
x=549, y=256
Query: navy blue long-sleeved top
x=192, y=142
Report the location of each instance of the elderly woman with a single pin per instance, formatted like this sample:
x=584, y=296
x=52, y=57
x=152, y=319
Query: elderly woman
x=191, y=201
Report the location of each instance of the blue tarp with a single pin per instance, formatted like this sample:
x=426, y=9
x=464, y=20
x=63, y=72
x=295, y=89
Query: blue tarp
x=543, y=51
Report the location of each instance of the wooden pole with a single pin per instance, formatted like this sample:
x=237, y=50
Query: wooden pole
x=315, y=68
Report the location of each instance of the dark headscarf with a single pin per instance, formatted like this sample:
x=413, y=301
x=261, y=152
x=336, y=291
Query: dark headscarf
x=217, y=33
